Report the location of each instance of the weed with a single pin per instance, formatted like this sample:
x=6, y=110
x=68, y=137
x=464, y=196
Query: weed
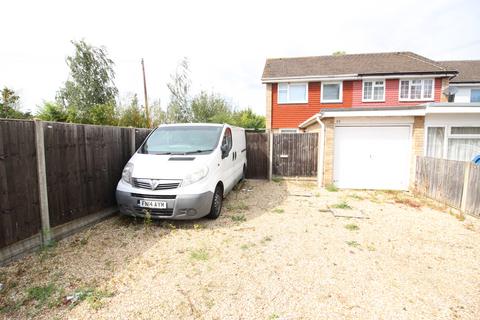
x=93, y=297
x=408, y=202
x=267, y=238
x=331, y=188
x=240, y=206
x=198, y=226
x=273, y=316
x=147, y=221
x=238, y=218
x=45, y=295
x=355, y=196
x=371, y=247
x=247, y=246
x=460, y=217
x=352, y=227
x=277, y=179
x=279, y=210
x=199, y=254
x=353, y=243
x=342, y=205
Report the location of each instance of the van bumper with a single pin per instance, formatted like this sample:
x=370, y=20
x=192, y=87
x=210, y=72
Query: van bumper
x=179, y=207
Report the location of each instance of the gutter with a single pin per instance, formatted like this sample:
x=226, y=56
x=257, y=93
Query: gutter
x=321, y=153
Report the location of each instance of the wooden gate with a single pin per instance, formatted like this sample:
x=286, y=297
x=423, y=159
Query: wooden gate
x=257, y=155
x=295, y=154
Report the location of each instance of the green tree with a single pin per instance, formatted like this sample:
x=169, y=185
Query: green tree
x=133, y=115
x=157, y=115
x=179, y=108
x=10, y=105
x=91, y=88
x=248, y=119
x=51, y=111
x=339, y=53
x=210, y=108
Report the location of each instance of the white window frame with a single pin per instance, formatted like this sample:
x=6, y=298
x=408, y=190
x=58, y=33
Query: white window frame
x=288, y=93
x=340, y=96
x=288, y=130
x=373, y=86
x=422, y=90
x=448, y=135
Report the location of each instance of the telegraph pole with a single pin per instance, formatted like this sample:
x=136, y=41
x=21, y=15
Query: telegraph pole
x=147, y=113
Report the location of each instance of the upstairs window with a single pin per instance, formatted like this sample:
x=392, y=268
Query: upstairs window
x=373, y=90
x=416, y=89
x=475, y=95
x=292, y=93
x=331, y=92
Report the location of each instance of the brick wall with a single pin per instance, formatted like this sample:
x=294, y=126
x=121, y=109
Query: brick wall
x=329, y=150
x=418, y=138
x=268, y=112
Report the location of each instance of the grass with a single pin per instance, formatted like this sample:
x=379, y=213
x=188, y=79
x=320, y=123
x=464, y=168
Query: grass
x=278, y=210
x=199, y=255
x=353, y=243
x=240, y=206
x=48, y=295
x=342, y=205
x=247, y=246
x=277, y=179
x=239, y=218
x=331, y=188
x=352, y=227
x=355, y=196
x=94, y=297
x=273, y=316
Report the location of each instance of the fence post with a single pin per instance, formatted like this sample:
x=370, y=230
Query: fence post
x=466, y=178
x=270, y=157
x=132, y=141
x=42, y=183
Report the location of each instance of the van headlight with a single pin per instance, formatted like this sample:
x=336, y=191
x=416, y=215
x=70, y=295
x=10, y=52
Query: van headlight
x=195, y=176
x=127, y=173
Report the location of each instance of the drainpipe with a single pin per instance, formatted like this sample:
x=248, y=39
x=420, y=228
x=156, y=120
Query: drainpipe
x=321, y=153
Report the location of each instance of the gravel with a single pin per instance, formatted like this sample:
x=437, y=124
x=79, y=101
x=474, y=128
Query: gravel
x=271, y=255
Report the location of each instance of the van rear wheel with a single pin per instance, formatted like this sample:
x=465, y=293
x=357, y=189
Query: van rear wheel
x=217, y=202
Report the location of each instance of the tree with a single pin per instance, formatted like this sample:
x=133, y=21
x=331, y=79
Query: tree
x=51, y=111
x=248, y=119
x=339, y=53
x=157, y=115
x=179, y=108
x=91, y=89
x=9, y=105
x=210, y=108
x=133, y=115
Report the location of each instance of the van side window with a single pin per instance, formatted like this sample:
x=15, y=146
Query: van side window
x=227, y=139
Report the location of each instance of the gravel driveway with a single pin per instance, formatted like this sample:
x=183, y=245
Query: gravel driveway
x=275, y=253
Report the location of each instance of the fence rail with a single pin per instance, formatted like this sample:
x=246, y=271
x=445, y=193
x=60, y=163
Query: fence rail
x=455, y=183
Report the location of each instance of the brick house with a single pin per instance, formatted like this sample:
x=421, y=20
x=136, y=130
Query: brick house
x=370, y=110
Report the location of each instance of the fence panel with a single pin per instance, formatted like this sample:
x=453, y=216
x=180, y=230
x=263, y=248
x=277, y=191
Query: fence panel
x=140, y=135
x=473, y=191
x=83, y=164
x=295, y=154
x=257, y=155
x=19, y=202
x=440, y=179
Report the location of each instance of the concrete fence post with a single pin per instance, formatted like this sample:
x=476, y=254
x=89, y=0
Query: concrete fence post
x=132, y=141
x=42, y=183
x=466, y=178
x=270, y=157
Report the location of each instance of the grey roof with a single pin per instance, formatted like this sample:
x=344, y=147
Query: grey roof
x=468, y=70
x=361, y=64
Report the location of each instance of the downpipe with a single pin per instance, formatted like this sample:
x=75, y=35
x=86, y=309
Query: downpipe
x=321, y=153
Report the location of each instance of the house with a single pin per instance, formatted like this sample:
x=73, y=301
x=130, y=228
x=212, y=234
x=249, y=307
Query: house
x=465, y=87
x=374, y=113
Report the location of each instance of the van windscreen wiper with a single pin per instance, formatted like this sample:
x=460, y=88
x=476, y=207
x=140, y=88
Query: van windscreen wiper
x=199, y=151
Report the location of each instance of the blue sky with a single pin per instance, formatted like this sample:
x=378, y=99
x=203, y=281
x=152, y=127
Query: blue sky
x=226, y=42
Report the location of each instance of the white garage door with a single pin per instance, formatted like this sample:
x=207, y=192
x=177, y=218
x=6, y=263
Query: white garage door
x=372, y=157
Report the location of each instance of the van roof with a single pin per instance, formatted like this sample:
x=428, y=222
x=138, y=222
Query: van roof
x=191, y=124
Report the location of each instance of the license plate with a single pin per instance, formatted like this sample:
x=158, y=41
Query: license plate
x=152, y=204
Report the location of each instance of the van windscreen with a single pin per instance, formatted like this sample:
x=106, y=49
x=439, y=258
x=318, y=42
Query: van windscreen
x=182, y=140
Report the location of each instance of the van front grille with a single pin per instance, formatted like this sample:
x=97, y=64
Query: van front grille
x=155, y=212
x=156, y=184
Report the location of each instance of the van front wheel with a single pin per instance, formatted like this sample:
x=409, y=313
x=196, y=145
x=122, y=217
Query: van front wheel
x=216, y=203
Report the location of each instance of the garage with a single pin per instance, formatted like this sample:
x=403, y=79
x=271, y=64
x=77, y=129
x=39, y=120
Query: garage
x=372, y=157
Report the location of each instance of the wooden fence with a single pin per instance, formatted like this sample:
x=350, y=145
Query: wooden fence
x=295, y=154
x=455, y=183
x=257, y=155
x=56, y=178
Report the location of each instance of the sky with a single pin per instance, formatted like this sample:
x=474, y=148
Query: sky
x=226, y=42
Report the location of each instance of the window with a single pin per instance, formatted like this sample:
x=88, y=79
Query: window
x=374, y=90
x=416, y=89
x=453, y=143
x=475, y=95
x=288, y=130
x=292, y=93
x=331, y=92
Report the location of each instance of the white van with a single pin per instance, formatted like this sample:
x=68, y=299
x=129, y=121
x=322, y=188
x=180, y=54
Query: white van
x=183, y=171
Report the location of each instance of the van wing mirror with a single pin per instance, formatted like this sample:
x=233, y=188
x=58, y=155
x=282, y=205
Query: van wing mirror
x=224, y=149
